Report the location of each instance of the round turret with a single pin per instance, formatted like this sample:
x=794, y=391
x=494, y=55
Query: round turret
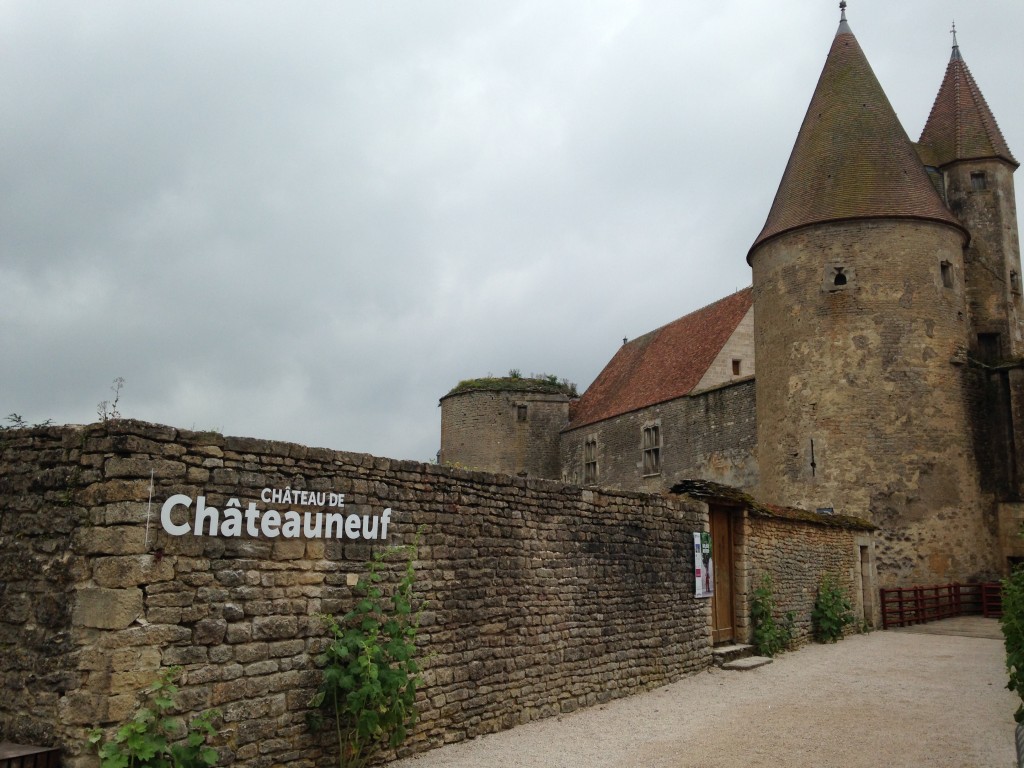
x=506, y=424
x=861, y=338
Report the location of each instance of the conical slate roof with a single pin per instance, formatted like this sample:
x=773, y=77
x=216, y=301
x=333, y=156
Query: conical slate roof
x=852, y=158
x=961, y=125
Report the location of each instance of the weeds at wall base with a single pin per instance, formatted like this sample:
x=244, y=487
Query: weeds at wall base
x=368, y=692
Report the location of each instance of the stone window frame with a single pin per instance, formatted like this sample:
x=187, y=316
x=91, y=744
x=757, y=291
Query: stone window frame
x=979, y=181
x=521, y=412
x=737, y=366
x=590, y=467
x=946, y=274
x=650, y=449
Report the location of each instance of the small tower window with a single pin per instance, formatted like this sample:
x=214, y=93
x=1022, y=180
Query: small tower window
x=520, y=413
x=652, y=450
x=1015, y=283
x=838, y=277
x=947, y=274
x=736, y=367
x=978, y=181
x=590, y=461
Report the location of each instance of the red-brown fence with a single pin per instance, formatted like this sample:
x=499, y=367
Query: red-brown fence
x=904, y=606
x=24, y=756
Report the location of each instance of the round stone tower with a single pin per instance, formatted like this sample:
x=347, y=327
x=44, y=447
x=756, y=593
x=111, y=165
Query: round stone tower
x=861, y=337
x=509, y=425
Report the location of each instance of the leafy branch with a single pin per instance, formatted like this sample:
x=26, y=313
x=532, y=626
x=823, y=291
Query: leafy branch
x=147, y=740
x=370, y=670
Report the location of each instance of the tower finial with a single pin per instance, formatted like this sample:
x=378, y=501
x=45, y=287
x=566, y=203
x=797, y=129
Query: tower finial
x=842, y=10
x=956, y=46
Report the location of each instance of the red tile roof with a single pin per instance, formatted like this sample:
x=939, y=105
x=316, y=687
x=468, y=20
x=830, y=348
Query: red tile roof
x=961, y=126
x=664, y=364
x=852, y=158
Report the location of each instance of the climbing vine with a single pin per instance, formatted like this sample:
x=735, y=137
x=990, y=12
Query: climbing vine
x=370, y=670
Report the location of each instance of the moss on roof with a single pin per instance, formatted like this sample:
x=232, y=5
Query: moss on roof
x=546, y=384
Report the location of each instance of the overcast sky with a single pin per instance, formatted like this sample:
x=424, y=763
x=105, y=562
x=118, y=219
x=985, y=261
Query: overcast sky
x=307, y=221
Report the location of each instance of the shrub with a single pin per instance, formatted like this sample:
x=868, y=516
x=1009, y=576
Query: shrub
x=146, y=741
x=1012, y=622
x=769, y=636
x=832, y=612
x=370, y=673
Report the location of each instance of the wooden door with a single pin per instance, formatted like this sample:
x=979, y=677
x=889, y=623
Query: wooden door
x=722, y=608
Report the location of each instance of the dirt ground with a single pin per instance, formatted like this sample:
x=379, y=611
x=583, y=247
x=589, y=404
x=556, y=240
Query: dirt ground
x=895, y=698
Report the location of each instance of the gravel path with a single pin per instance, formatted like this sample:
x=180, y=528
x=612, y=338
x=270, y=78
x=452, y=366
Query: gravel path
x=884, y=699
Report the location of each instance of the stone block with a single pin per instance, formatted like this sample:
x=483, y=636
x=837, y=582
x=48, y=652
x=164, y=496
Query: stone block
x=107, y=608
x=112, y=491
x=289, y=549
x=209, y=632
x=161, y=468
x=113, y=540
x=137, y=658
x=128, y=512
x=82, y=708
x=121, y=572
x=274, y=627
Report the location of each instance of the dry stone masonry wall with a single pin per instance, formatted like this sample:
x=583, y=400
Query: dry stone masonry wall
x=796, y=555
x=539, y=598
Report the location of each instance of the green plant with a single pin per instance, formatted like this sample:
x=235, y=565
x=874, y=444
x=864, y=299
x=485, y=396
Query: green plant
x=832, y=612
x=146, y=740
x=769, y=636
x=17, y=422
x=370, y=670
x=108, y=410
x=1012, y=622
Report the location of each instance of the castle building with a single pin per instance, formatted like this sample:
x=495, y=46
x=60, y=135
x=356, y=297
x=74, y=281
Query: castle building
x=885, y=321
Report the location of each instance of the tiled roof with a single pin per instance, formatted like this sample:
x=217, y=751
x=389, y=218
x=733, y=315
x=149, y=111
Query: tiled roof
x=664, y=364
x=961, y=125
x=852, y=158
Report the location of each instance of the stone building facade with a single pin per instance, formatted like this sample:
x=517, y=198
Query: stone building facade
x=885, y=319
x=711, y=434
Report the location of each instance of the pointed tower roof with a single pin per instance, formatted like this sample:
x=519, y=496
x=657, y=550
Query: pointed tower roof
x=852, y=158
x=961, y=125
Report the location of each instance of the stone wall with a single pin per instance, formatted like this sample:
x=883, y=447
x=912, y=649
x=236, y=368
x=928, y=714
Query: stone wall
x=540, y=597
x=711, y=436
x=796, y=554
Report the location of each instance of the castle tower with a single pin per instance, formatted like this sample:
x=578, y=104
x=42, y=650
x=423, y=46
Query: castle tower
x=861, y=333
x=966, y=151
x=505, y=424
x=963, y=142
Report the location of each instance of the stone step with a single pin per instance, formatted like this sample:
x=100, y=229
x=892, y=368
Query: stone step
x=747, y=662
x=726, y=653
